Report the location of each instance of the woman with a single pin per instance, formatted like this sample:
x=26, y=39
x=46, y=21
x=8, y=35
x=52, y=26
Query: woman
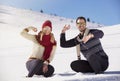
x=43, y=50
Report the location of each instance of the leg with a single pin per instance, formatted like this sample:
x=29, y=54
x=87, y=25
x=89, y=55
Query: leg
x=49, y=72
x=98, y=62
x=95, y=63
x=40, y=71
x=33, y=66
x=104, y=61
x=81, y=66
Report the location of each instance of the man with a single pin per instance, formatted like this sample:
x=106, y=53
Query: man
x=88, y=43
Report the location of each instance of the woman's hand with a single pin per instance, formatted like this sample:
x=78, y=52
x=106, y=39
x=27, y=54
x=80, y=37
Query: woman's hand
x=65, y=28
x=45, y=68
x=33, y=28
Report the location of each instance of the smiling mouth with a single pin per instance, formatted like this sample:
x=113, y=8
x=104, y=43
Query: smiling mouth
x=81, y=26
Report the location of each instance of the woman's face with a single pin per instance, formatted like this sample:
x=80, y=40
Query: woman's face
x=81, y=24
x=46, y=30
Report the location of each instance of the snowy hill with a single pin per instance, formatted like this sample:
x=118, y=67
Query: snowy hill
x=15, y=50
x=12, y=15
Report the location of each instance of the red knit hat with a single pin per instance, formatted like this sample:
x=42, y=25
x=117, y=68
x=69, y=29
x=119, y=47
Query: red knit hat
x=47, y=23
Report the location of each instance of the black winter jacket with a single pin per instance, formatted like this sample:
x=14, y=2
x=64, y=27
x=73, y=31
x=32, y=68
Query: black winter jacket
x=93, y=46
x=92, y=50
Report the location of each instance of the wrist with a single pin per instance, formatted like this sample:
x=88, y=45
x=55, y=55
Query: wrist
x=26, y=30
x=63, y=31
x=46, y=62
x=91, y=35
x=79, y=58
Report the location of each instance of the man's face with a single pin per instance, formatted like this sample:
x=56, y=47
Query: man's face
x=81, y=24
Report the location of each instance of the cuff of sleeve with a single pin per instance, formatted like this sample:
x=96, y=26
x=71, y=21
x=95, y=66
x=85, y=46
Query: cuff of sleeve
x=79, y=58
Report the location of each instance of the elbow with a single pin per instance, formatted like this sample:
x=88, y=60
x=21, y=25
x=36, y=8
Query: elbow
x=99, y=34
x=62, y=44
x=21, y=33
x=102, y=34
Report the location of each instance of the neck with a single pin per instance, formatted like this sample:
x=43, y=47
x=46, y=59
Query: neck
x=83, y=31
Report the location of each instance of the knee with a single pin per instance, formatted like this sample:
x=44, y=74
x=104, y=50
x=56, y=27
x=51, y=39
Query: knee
x=74, y=63
x=51, y=69
x=33, y=63
x=74, y=66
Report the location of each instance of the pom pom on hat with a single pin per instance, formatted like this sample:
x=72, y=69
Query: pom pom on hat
x=47, y=23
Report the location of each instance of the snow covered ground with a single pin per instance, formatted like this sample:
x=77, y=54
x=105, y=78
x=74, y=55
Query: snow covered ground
x=15, y=50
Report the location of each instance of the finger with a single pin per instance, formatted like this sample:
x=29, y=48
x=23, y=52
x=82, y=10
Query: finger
x=69, y=26
x=43, y=70
x=46, y=69
x=65, y=26
x=35, y=29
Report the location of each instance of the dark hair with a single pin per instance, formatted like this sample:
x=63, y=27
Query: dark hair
x=81, y=18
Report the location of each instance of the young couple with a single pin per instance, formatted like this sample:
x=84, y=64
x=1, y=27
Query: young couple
x=87, y=43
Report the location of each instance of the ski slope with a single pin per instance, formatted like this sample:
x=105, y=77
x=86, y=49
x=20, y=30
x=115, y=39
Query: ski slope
x=15, y=50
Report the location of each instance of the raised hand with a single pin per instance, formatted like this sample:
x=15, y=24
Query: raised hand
x=65, y=28
x=35, y=29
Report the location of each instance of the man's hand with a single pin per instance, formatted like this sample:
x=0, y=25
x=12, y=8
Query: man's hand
x=86, y=38
x=66, y=27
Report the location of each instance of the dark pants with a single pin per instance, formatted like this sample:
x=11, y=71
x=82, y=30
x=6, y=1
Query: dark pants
x=81, y=66
x=95, y=63
x=35, y=66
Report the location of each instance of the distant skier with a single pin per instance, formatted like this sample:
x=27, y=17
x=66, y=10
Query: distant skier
x=87, y=42
x=43, y=50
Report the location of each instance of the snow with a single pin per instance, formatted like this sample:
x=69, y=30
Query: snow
x=15, y=50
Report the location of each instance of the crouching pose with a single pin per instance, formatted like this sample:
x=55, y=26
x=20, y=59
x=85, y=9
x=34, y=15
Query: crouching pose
x=87, y=42
x=43, y=50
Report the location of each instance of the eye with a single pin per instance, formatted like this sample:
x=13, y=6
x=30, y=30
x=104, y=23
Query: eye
x=46, y=28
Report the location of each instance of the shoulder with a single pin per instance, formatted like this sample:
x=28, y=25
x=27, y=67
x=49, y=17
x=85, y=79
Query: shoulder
x=97, y=33
x=95, y=30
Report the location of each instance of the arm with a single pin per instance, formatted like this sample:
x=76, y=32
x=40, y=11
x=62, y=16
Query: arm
x=68, y=43
x=28, y=36
x=97, y=33
x=54, y=45
x=94, y=33
x=46, y=62
x=51, y=55
x=52, y=40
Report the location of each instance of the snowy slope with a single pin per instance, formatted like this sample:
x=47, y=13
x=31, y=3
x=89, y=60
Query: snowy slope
x=15, y=50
